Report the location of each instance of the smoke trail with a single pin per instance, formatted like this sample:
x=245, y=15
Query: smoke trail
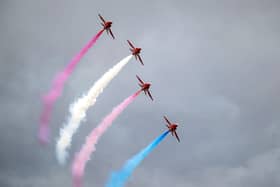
x=79, y=108
x=56, y=90
x=83, y=156
x=119, y=178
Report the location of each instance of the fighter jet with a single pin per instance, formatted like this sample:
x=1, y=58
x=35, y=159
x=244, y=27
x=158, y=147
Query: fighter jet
x=145, y=87
x=172, y=128
x=106, y=25
x=135, y=51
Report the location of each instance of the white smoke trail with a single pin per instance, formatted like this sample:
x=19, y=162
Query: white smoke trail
x=78, y=109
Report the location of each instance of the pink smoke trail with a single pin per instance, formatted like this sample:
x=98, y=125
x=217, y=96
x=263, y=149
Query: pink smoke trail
x=57, y=88
x=88, y=148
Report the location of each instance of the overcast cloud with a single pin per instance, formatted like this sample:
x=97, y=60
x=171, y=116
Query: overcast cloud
x=214, y=68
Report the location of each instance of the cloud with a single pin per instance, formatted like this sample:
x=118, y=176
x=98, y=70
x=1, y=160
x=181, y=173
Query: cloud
x=214, y=68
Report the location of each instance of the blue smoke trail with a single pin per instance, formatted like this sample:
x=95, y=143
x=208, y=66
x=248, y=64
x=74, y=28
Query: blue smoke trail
x=119, y=178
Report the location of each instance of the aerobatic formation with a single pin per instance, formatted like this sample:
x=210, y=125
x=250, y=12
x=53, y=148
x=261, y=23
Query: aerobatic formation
x=79, y=108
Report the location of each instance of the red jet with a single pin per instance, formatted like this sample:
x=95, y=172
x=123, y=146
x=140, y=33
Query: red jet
x=106, y=25
x=135, y=51
x=145, y=87
x=172, y=128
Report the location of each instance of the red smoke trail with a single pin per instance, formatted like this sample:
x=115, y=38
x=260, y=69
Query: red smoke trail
x=88, y=148
x=56, y=90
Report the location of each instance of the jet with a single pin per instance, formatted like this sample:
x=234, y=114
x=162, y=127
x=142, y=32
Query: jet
x=135, y=51
x=172, y=128
x=106, y=25
x=145, y=87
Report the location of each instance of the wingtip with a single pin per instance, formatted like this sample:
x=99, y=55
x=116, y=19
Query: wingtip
x=139, y=79
x=140, y=60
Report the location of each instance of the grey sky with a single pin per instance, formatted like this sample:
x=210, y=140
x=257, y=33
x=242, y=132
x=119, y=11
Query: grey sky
x=214, y=68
